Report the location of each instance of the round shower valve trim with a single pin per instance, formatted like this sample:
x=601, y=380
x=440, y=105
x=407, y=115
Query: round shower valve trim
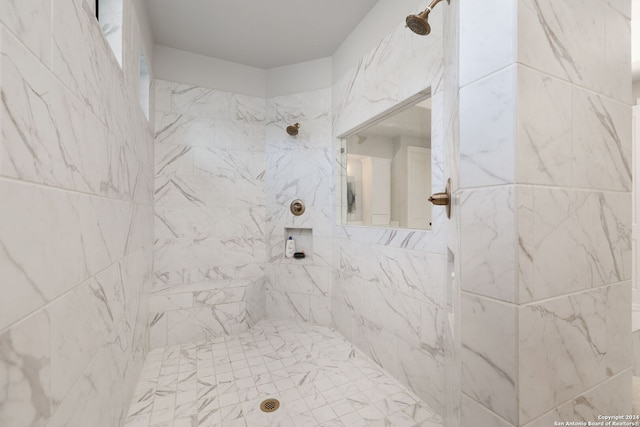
x=297, y=207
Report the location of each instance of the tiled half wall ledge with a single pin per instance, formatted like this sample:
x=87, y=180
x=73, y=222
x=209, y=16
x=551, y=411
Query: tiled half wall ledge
x=201, y=311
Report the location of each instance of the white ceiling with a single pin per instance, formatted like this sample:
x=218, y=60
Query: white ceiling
x=263, y=34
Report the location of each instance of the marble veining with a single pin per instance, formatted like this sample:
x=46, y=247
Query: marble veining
x=210, y=213
x=388, y=295
x=76, y=169
x=319, y=378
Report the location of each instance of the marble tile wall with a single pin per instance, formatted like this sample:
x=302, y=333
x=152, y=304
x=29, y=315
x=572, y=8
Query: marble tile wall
x=545, y=211
x=201, y=311
x=389, y=296
x=300, y=167
x=76, y=241
x=210, y=212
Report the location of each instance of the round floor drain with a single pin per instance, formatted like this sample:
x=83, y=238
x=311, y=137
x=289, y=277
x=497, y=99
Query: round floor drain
x=269, y=405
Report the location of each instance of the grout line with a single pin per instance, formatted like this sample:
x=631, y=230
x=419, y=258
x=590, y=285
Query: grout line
x=547, y=299
x=539, y=186
x=14, y=180
x=47, y=304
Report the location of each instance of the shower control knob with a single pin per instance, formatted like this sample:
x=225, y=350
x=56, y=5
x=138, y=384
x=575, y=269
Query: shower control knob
x=297, y=207
x=443, y=199
x=439, y=199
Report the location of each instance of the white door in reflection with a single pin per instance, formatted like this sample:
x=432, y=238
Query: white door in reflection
x=418, y=188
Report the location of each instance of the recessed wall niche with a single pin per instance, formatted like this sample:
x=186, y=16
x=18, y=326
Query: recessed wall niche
x=303, y=238
x=109, y=15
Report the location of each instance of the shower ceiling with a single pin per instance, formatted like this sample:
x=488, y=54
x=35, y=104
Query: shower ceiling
x=263, y=34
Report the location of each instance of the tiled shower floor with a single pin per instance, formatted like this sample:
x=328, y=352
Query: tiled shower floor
x=318, y=377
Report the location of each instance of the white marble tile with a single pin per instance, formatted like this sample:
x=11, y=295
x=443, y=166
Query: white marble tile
x=55, y=133
x=160, y=302
x=593, y=227
x=562, y=350
x=376, y=343
x=619, y=349
x=635, y=344
x=209, y=191
x=545, y=153
x=321, y=311
x=318, y=220
x=190, y=261
x=489, y=345
x=488, y=242
x=158, y=330
x=564, y=39
x=140, y=228
x=162, y=96
x=316, y=192
x=25, y=372
x=256, y=301
x=434, y=332
x=95, y=392
x=80, y=323
x=381, y=79
x=601, y=142
x=283, y=305
x=220, y=296
x=474, y=414
x=525, y=218
x=196, y=222
x=47, y=130
x=312, y=133
x=476, y=38
x=232, y=251
x=612, y=397
x=191, y=325
x=112, y=300
x=302, y=106
x=617, y=48
x=307, y=279
x=174, y=160
x=488, y=130
x=308, y=163
x=21, y=16
x=178, y=129
x=95, y=235
x=424, y=375
x=210, y=103
x=172, y=275
x=417, y=240
x=420, y=271
x=87, y=68
x=396, y=313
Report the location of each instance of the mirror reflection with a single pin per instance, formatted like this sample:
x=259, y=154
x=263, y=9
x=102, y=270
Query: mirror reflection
x=389, y=171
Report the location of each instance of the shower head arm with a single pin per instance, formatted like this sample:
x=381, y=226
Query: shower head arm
x=433, y=4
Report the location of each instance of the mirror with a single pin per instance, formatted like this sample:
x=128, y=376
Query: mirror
x=388, y=170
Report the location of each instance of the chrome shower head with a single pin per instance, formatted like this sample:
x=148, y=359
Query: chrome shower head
x=293, y=129
x=419, y=23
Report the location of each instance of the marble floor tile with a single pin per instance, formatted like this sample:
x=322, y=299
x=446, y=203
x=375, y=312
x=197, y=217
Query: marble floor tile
x=318, y=376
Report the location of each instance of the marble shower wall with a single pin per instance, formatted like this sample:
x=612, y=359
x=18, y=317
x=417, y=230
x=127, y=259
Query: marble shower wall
x=209, y=213
x=76, y=240
x=545, y=219
x=389, y=295
x=300, y=167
